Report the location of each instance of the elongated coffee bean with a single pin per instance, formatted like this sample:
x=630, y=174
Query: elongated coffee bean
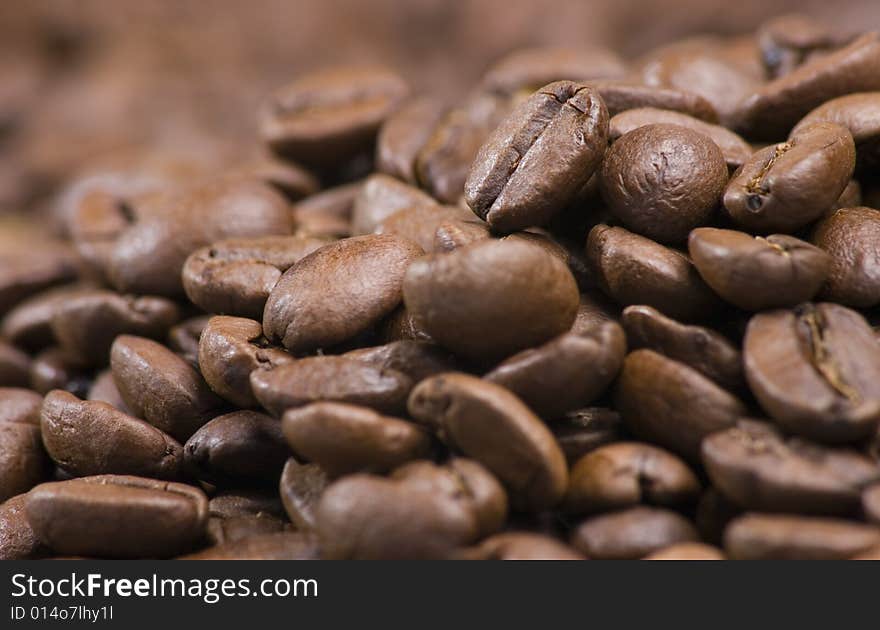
x=851, y=237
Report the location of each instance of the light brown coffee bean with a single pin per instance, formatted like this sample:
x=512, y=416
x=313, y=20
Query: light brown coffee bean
x=23, y=461
x=379, y=197
x=403, y=135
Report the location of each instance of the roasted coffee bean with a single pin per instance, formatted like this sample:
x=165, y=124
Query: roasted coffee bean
x=755, y=466
x=871, y=503
x=23, y=461
x=230, y=348
x=632, y=269
x=521, y=546
x=19, y=405
x=419, y=224
x=227, y=531
x=381, y=196
x=780, y=537
x=594, y=310
x=536, y=161
x=416, y=359
x=631, y=534
x=26, y=270
x=104, y=389
x=272, y=546
x=774, y=108
x=15, y=366
x=246, y=502
x=243, y=447
x=566, y=373
x=184, y=338
x=626, y=474
x=117, y=516
x=93, y=438
x=687, y=551
x=161, y=387
x=816, y=371
x=28, y=325
x=338, y=291
x=55, y=369
x=851, y=197
x=786, y=186
x=330, y=378
x=491, y=299
x=485, y=421
x=291, y=180
x=236, y=276
x=671, y=404
x=301, y=487
x=404, y=134
x=849, y=236
x=860, y=114
x=582, y=431
x=330, y=115
x=17, y=538
x=400, y=326
x=757, y=273
x=345, y=439
x=789, y=40
x=328, y=213
x=663, y=180
x=703, y=349
x=734, y=149
x=620, y=96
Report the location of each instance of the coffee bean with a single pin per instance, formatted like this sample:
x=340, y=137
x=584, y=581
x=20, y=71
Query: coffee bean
x=849, y=236
x=487, y=422
x=788, y=40
x=557, y=137
x=330, y=378
x=301, y=487
x=23, y=461
x=55, y=369
x=566, y=373
x=521, y=546
x=230, y=348
x=582, y=431
x=19, y=405
x=183, y=338
x=272, y=546
x=621, y=95
x=780, y=537
x=492, y=298
x=26, y=271
x=416, y=359
x=28, y=325
x=381, y=196
x=228, y=531
x=328, y=213
x=632, y=269
x=404, y=134
x=755, y=466
x=104, y=389
x=671, y=404
x=687, y=551
x=859, y=113
x=757, y=273
x=871, y=503
x=400, y=326
x=17, y=538
x=245, y=502
x=291, y=180
x=330, y=115
x=631, y=534
x=594, y=310
x=345, y=439
x=117, y=516
x=419, y=224
x=161, y=387
x=815, y=371
x=15, y=366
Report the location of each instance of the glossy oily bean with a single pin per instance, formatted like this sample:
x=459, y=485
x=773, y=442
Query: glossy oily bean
x=327, y=214
x=23, y=461
x=236, y=276
x=521, y=546
x=116, y=516
x=671, y=404
x=687, y=551
x=491, y=299
x=230, y=348
x=860, y=114
x=416, y=359
x=632, y=269
x=663, y=180
x=345, y=439
x=331, y=378
x=781, y=537
x=15, y=366
x=419, y=224
x=20, y=405
x=330, y=115
x=757, y=273
x=786, y=186
x=815, y=371
x=582, y=431
x=850, y=237
x=17, y=538
x=404, y=134
x=338, y=291
x=536, y=161
x=93, y=438
x=471, y=415
x=702, y=349
x=631, y=534
x=161, y=387
x=566, y=373
x=301, y=487
x=756, y=467
x=381, y=196
x=620, y=96
x=183, y=338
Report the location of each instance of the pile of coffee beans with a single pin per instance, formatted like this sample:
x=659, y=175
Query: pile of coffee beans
x=597, y=308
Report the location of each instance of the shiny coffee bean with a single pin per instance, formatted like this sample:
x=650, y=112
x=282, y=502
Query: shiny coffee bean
x=381, y=196
x=859, y=113
x=301, y=487
x=621, y=95
x=403, y=135
x=631, y=534
x=419, y=224
x=183, y=338
x=17, y=538
x=583, y=431
x=28, y=325
x=416, y=359
x=104, y=389
x=849, y=236
x=23, y=461
x=20, y=405
x=55, y=369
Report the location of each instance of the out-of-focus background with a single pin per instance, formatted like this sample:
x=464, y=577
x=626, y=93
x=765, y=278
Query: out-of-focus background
x=81, y=77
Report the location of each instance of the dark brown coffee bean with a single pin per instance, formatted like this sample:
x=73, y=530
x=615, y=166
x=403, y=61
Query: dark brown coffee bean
x=230, y=348
x=338, y=291
x=631, y=534
x=779, y=537
x=246, y=502
x=331, y=115
x=871, y=503
x=243, y=446
x=416, y=359
x=582, y=431
x=104, y=389
x=521, y=546
x=816, y=371
x=620, y=96
x=850, y=235
x=93, y=438
x=487, y=422
x=301, y=488
x=687, y=551
x=17, y=538
x=757, y=273
x=759, y=469
x=328, y=213
x=272, y=546
x=860, y=114
x=703, y=349
x=23, y=461
x=236, y=276
x=20, y=405
x=160, y=387
x=632, y=269
x=227, y=531
x=671, y=404
x=626, y=474
x=400, y=326
x=184, y=338
x=404, y=134
x=663, y=180
x=15, y=366
x=786, y=186
x=330, y=378
x=774, y=108
x=55, y=369
x=788, y=40
x=28, y=325
x=566, y=373
x=380, y=197
x=492, y=298
x=734, y=149
x=117, y=516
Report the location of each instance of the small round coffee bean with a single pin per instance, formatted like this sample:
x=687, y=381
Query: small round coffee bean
x=631, y=534
x=301, y=487
x=849, y=236
x=419, y=224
